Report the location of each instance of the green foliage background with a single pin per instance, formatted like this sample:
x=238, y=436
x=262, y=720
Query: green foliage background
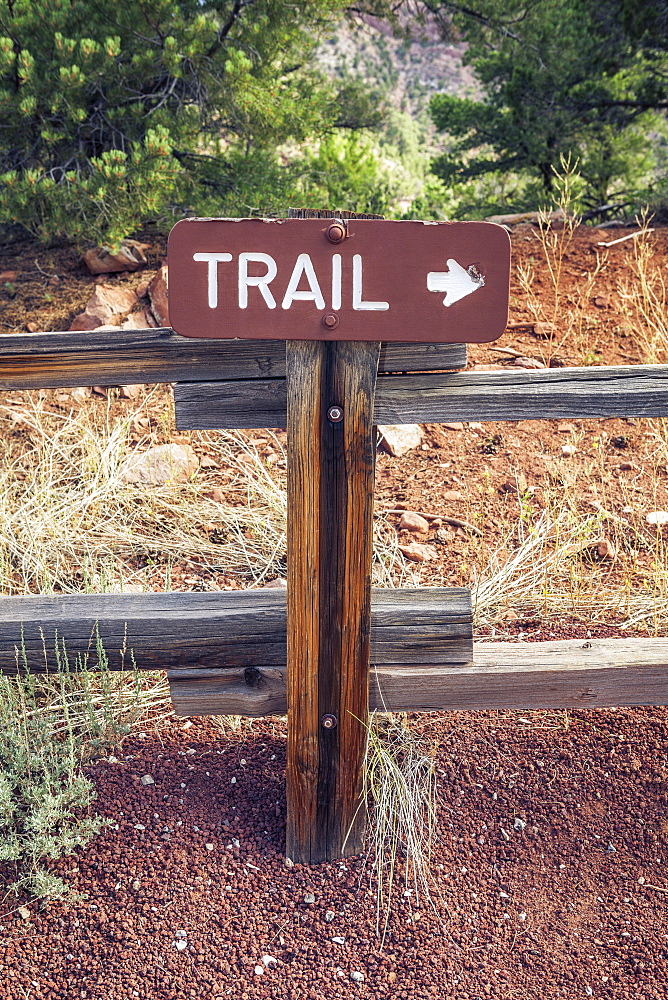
x=112, y=115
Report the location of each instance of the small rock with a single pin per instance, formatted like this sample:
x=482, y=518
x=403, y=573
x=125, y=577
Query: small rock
x=24, y=913
x=523, y=362
x=130, y=256
x=357, y=977
x=288, y=862
x=8, y=276
x=398, y=439
x=278, y=584
x=268, y=961
x=568, y=450
x=140, y=320
x=166, y=463
x=181, y=945
x=209, y=847
x=309, y=898
x=181, y=934
x=519, y=824
x=413, y=522
x=259, y=970
x=339, y=940
x=454, y=496
x=107, y=303
x=543, y=330
x=565, y=428
x=159, y=296
x=329, y=916
x=510, y=615
x=625, y=466
x=130, y=391
x=657, y=517
x=611, y=849
x=136, y=885
x=419, y=553
x=32, y=327
x=606, y=549
x=147, y=780
x=454, y=425
x=601, y=301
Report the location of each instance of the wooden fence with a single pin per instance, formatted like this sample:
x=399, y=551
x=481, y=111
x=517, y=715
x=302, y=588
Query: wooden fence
x=225, y=652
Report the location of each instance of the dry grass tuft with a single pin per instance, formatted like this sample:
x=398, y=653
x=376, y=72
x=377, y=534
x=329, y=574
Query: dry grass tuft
x=401, y=787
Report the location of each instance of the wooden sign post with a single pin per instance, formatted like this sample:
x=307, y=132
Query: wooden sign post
x=331, y=445
x=333, y=288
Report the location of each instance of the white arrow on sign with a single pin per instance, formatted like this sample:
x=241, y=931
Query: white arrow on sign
x=457, y=283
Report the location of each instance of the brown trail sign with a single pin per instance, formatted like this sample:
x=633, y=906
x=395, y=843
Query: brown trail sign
x=333, y=289
x=230, y=652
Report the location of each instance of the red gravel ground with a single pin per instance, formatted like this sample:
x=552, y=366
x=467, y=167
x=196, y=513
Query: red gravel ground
x=549, y=873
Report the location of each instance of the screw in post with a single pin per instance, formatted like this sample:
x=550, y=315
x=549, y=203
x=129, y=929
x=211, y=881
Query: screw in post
x=329, y=721
x=335, y=414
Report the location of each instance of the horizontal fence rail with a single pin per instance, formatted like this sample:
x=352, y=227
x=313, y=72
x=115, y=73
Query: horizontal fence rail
x=230, y=629
x=119, y=357
x=565, y=673
x=629, y=391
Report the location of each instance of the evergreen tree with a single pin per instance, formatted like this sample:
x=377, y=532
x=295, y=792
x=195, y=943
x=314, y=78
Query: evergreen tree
x=115, y=113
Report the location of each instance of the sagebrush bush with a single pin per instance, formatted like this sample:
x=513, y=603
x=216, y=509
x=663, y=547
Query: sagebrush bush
x=49, y=726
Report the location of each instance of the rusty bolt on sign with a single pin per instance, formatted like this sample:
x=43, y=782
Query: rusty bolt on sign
x=329, y=721
x=335, y=414
x=330, y=321
x=336, y=233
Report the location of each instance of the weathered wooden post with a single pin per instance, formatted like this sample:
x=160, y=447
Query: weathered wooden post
x=333, y=288
x=330, y=388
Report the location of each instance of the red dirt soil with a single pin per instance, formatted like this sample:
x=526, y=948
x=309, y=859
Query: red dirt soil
x=549, y=872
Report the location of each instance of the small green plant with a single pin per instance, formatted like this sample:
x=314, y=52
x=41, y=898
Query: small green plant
x=49, y=726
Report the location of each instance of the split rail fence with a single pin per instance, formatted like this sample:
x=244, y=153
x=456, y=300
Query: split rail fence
x=225, y=652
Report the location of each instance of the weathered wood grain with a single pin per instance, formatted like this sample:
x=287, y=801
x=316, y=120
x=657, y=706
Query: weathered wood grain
x=224, y=630
x=505, y=675
x=633, y=391
x=330, y=540
x=51, y=360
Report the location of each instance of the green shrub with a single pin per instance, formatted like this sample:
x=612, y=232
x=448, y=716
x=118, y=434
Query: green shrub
x=49, y=726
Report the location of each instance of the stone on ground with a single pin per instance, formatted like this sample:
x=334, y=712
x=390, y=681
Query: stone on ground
x=166, y=463
x=413, y=522
x=107, y=305
x=398, y=439
x=158, y=295
x=130, y=256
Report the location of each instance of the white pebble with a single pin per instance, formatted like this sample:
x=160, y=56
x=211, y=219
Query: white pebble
x=268, y=960
x=657, y=517
x=259, y=970
x=209, y=847
x=147, y=780
x=568, y=449
x=233, y=781
x=181, y=934
x=357, y=977
x=181, y=945
x=339, y=940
